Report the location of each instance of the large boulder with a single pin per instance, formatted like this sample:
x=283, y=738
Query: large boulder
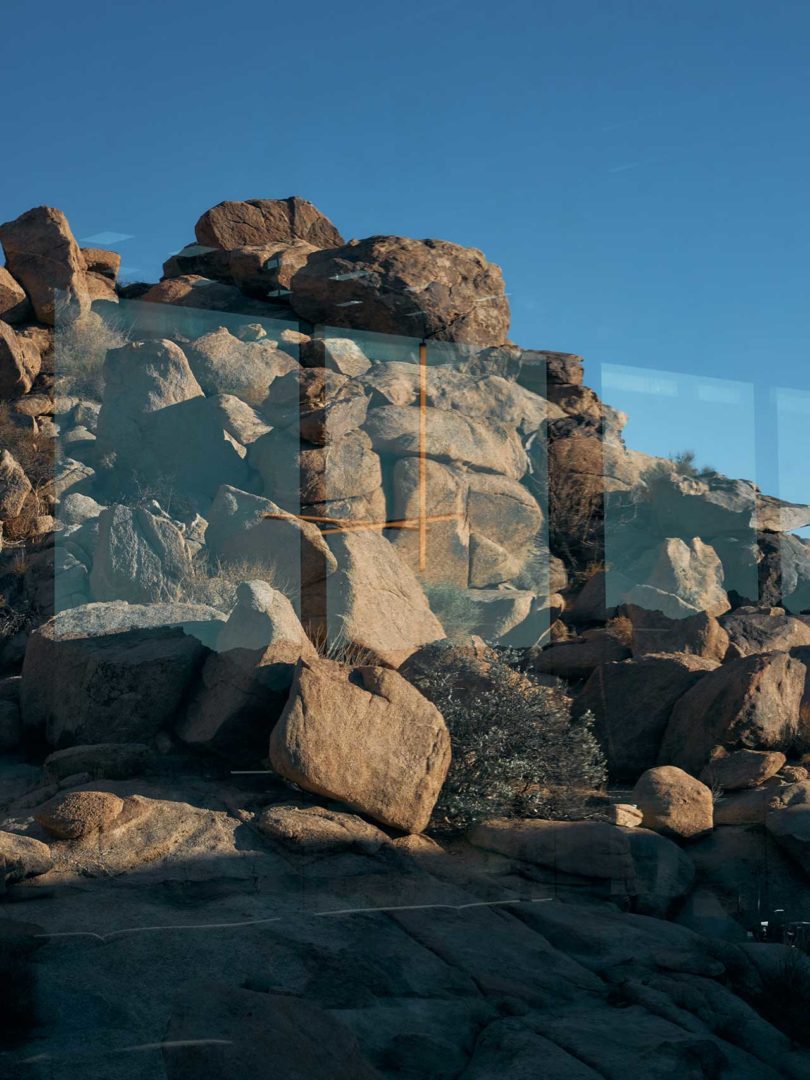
x=366, y=737
x=741, y=768
x=265, y=221
x=756, y=630
x=223, y=364
x=200, y=444
x=673, y=802
x=296, y=474
x=140, y=378
x=754, y=702
x=245, y=529
x=22, y=857
x=374, y=600
x=394, y=285
x=139, y=557
x=112, y=672
x=74, y=814
x=264, y=270
x=20, y=362
x=691, y=572
x=15, y=486
x=314, y=830
x=632, y=701
x=654, y=632
x=245, y=684
x=790, y=827
x=112, y=761
x=43, y=256
x=15, y=307
x=448, y=436
x=317, y=405
x=577, y=659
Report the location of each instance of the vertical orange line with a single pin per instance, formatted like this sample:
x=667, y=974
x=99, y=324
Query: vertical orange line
x=422, y=455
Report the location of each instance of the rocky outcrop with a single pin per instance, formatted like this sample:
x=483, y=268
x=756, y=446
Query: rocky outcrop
x=365, y=737
x=393, y=285
x=264, y=221
x=43, y=256
x=20, y=363
x=753, y=702
x=139, y=557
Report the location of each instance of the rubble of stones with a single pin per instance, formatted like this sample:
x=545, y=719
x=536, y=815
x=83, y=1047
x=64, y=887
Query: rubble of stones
x=170, y=571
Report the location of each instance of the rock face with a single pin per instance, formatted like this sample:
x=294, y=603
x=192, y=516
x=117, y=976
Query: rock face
x=315, y=830
x=113, y=761
x=632, y=701
x=427, y=288
x=365, y=737
x=111, y=672
x=699, y=635
x=755, y=630
x=44, y=257
x=265, y=221
x=14, y=305
x=753, y=702
x=216, y=1030
x=674, y=803
x=20, y=362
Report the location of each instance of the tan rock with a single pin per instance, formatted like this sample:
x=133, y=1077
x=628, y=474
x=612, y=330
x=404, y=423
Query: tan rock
x=19, y=363
x=691, y=571
x=449, y=436
x=267, y=269
x=79, y=813
x=588, y=848
x=14, y=305
x=632, y=700
x=624, y=814
x=336, y=354
x=223, y=364
x=741, y=768
x=14, y=486
x=22, y=857
x=673, y=802
x=578, y=658
x=375, y=601
x=747, y=807
x=755, y=630
x=265, y=221
x=315, y=830
x=698, y=635
x=458, y=294
x=366, y=737
x=45, y=259
x=753, y=702
x=101, y=261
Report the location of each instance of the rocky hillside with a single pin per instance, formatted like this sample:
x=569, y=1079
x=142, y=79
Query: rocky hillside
x=303, y=560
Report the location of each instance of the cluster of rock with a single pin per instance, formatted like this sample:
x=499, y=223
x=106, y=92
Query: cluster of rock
x=218, y=551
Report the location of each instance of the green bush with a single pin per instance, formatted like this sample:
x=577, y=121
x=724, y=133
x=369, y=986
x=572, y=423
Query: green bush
x=517, y=752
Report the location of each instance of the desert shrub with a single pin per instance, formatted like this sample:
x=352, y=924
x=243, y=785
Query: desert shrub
x=517, y=751
x=453, y=607
x=80, y=347
x=621, y=628
x=34, y=452
x=215, y=583
x=337, y=647
x=684, y=462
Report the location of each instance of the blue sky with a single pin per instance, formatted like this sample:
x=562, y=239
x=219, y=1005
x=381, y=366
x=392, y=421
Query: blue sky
x=639, y=169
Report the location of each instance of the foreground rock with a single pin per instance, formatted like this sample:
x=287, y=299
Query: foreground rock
x=365, y=737
x=22, y=857
x=19, y=363
x=111, y=761
x=674, y=803
x=316, y=830
x=112, y=672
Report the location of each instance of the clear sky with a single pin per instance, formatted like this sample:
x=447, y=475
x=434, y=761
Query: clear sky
x=639, y=169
